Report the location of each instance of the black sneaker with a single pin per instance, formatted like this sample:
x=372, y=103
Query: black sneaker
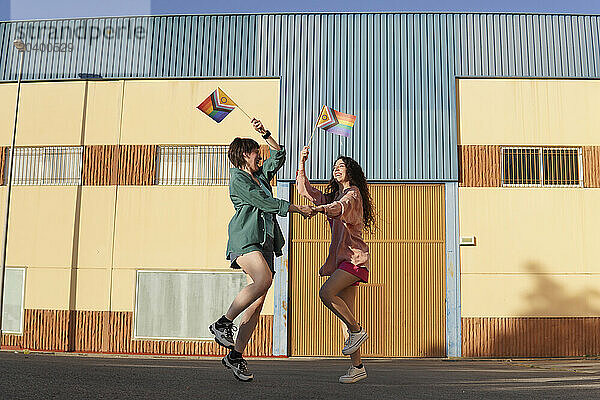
x=223, y=334
x=239, y=366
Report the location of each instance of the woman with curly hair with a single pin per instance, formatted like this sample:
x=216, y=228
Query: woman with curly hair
x=348, y=206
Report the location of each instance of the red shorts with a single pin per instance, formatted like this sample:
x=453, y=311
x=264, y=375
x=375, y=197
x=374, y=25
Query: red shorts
x=360, y=272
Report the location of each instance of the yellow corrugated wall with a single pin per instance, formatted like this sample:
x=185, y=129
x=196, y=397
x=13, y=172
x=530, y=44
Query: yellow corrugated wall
x=402, y=306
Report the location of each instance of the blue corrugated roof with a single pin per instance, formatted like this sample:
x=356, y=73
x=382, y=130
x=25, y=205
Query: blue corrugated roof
x=396, y=71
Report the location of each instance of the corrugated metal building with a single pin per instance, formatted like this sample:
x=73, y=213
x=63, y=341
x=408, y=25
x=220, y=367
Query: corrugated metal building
x=419, y=84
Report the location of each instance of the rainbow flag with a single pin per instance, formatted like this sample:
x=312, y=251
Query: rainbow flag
x=336, y=122
x=217, y=106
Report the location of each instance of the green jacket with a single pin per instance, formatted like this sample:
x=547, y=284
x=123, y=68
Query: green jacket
x=247, y=227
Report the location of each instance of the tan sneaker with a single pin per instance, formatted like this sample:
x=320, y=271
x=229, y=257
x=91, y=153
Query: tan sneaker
x=354, y=375
x=354, y=341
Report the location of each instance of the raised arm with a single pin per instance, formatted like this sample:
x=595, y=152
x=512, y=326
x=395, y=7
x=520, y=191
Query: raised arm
x=305, y=189
x=277, y=157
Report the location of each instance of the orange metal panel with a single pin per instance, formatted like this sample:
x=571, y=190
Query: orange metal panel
x=137, y=164
x=46, y=330
x=530, y=337
x=111, y=332
x=3, y=150
x=100, y=164
x=119, y=165
x=402, y=307
x=479, y=165
x=88, y=331
x=12, y=341
x=591, y=166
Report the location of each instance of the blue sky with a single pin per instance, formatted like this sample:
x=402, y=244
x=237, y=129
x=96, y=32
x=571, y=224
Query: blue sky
x=42, y=9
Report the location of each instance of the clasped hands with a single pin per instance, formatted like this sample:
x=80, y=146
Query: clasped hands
x=308, y=211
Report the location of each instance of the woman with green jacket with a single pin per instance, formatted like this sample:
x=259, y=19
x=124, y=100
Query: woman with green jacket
x=254, y=240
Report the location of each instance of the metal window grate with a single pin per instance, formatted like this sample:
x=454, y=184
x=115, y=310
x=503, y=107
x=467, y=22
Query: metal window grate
x=521, y=166
x=542, y=166
x=193, y=165
x=561, y=167
x=55, y=165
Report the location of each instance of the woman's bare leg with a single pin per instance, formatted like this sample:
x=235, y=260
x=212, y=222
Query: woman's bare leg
x=248, y=324
x=329, y=295
x=348, y=295
x=256, y=267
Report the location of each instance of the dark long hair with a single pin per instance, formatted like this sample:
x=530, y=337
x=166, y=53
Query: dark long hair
x=357, y=178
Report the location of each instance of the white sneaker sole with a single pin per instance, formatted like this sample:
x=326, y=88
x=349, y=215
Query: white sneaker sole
x=353, y=379
x=355, y=346
x=236, y=373
x=220, y=339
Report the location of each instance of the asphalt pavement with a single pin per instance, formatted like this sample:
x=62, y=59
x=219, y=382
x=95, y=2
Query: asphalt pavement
x=76, y=376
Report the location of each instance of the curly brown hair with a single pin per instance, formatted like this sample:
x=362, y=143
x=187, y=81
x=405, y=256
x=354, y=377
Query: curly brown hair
x=358, y=179
x=238, y=148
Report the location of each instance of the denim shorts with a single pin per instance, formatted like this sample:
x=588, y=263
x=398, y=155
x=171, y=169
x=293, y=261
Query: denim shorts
x=267, y=251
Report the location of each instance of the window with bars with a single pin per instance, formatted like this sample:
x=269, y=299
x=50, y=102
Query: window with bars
x=206, y=165
x=52, y=165
x=542, y=166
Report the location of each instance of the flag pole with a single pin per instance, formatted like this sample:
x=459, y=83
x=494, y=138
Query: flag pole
x=311, y=135
x=237, y=105
x=242, y=110
x=314, y=129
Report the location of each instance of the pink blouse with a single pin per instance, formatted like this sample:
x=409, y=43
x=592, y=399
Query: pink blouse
x=345, y=217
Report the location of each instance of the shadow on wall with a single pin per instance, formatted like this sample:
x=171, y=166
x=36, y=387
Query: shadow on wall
x=535, y=335
x=550, y=298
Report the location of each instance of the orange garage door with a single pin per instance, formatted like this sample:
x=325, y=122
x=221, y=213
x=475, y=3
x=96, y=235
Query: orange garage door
x=402, y=307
